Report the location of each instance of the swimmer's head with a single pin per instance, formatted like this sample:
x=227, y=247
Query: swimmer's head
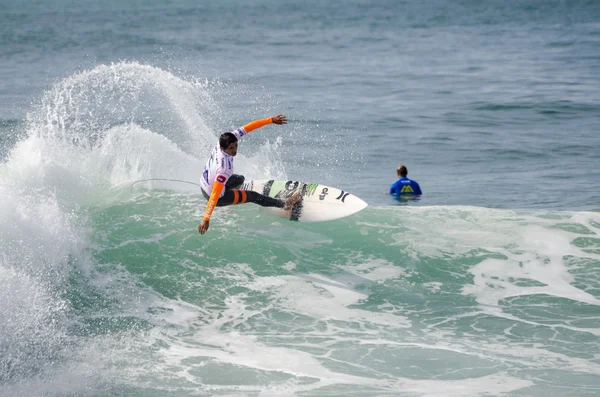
x=402, y=171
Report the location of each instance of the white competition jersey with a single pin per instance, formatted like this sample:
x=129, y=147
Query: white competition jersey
x=219, y=166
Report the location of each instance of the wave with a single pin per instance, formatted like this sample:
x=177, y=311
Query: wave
x=109, y=289
x=307, y=307
x=316, y=306
x=88, y=133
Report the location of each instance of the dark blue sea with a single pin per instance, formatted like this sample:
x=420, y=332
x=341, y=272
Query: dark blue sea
x=487, y=286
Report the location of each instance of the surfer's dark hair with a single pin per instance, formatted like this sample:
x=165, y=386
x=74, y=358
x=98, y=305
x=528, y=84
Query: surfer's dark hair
x=226, y=139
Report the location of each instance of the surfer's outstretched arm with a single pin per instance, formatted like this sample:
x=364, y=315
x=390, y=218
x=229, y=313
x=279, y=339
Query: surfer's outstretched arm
x=279, y=119
x=212, y=202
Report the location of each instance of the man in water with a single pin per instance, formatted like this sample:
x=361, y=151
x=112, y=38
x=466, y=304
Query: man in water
x=219, y=184
x=405, y=188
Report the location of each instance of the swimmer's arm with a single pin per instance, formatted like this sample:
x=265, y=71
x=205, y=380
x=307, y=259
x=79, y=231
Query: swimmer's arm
x=210, y=207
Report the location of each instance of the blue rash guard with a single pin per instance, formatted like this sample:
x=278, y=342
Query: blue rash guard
x=405, y=186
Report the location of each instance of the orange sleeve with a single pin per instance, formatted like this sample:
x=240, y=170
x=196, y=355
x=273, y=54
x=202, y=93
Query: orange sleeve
x=212, y=201
x=257, y=124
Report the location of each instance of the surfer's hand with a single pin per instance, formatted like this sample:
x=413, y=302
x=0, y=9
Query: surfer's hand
x=279, y=119
x=203, y=227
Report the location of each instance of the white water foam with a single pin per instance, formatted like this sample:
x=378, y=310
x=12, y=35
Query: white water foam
x=108, y=126
x=293, y=368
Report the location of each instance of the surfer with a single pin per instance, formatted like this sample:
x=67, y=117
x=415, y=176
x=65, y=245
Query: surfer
x=404, y=187
x=222, y=187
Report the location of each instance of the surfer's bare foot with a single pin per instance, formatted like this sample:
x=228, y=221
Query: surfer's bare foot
x=293, y=199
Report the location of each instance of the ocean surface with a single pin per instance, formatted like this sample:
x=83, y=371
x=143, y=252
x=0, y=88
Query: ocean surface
x=487, y=286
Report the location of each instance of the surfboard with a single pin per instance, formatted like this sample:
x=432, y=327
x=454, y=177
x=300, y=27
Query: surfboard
x=318, y=202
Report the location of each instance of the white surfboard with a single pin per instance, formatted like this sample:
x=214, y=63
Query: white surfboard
x=318, y=203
